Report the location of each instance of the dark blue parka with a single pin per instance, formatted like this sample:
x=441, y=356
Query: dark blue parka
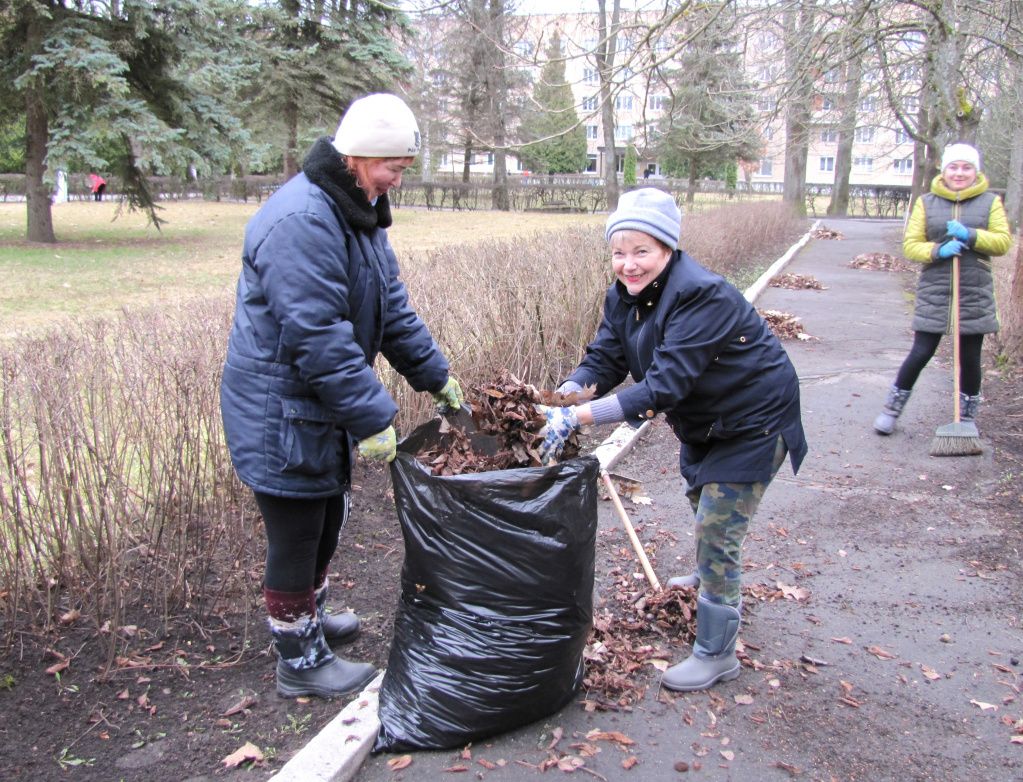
x=700, y=353
x=319, y=297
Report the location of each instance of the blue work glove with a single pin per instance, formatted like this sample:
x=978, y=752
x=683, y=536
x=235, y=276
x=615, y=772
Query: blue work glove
x=958, y=231
x=381, y=447
x=950, y=248
x=450, y=397
x=561, y=422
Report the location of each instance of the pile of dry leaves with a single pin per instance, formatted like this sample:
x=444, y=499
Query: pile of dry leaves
x=827, y=233
x=797, y=282
x=882, y=262
x=784, y=325
x=502, y=431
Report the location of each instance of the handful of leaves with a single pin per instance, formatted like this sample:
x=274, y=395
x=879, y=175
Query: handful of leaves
x=504, y=409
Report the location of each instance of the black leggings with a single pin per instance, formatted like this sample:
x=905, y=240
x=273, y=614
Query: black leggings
x=301, y=537
x=925, y=344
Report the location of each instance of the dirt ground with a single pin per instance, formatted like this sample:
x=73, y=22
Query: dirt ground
x=179, y=722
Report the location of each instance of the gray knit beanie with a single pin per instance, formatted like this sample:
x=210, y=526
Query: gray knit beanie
x=649, y=210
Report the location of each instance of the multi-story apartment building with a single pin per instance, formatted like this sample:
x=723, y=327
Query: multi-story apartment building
x=882, y=152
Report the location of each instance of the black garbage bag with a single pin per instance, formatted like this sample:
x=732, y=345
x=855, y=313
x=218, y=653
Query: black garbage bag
x=496, y=602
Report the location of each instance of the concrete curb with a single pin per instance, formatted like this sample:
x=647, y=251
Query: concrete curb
x=336, y=752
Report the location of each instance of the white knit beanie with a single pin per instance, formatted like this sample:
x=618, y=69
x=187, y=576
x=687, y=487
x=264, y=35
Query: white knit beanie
x=379, y=125
x=963, y=152
x=649, y=210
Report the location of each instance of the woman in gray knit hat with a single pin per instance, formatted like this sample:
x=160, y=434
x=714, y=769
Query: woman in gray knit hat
x=319, y=298
x=699, y=353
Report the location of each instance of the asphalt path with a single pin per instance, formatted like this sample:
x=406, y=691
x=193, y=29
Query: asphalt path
x=896, y=657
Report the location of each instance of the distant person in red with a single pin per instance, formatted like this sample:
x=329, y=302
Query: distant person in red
x=99, y=184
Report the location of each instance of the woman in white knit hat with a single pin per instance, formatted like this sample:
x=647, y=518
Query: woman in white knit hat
x=958, y=217
x=699, y=353
x=319, y=298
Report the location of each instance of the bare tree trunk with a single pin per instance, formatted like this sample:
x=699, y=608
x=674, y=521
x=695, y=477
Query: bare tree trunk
x=1010, y=338
x=291, y=166
x=1014, y=180
x=605, y=57
x=846, y=135
x=693, y=177
x=498, y=101
x=797, y=28
x=37, y=136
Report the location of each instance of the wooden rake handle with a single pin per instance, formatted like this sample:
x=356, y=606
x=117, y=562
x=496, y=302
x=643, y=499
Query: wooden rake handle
x=636, y=545
x=955, y=338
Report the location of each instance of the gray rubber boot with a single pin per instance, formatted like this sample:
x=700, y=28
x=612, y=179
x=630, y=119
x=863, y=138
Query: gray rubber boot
x=692, y=580
x=968, y=407
x=893, y=406
x=339, y=628
x=713, y=659
x=306, y=666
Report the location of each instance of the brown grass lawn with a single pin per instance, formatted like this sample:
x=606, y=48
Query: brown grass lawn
x=105, y=261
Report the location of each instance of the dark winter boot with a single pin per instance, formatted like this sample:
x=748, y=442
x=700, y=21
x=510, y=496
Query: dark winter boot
x=713, y=658
x=306, y=666
x=691, y=580
x=339, y=628
x=968, y=407
x=893, y=405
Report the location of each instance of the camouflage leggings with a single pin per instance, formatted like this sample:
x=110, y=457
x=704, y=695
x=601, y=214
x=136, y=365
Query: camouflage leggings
x=723, y=513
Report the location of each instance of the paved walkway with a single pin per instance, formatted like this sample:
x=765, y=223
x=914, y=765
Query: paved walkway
x=913, y=623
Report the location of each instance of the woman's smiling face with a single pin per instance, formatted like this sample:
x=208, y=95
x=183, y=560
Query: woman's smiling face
x=959, y=175
x=637, y=259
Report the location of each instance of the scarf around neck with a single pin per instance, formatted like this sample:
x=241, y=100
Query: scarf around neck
x=325, y=168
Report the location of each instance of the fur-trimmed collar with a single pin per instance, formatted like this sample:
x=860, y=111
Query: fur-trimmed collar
x=326, y=168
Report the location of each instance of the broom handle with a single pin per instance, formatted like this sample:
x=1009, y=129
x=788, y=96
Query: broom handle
x=955, y=336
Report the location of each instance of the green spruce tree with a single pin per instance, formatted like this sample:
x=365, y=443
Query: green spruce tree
x=554, y=141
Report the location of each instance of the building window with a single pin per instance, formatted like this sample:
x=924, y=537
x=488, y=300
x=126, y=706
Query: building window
x=766, y=166
x=591, y=163
x=766, y=104
x=591, y=131
x=833, y=76
x=524, y=49
x=829, y=136
x=590, y=104
x=863, y=164
x=589, y=76
x=869, y=104
x=901, y=136
x=912, y=104
x=827, y=104
x=624, y=102
x=827, y=164
x=623, y=133
x=864, y=134
x=656, y=103
x=904, y=166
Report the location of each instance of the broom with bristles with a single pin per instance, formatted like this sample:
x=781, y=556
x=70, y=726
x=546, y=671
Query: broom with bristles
x=959, y=438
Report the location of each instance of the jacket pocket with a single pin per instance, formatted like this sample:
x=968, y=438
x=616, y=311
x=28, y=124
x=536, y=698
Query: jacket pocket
x=308, y=438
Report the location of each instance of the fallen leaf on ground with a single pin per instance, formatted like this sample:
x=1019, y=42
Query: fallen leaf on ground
x=881, y=654
x=842, y=640
x=743, y=699
x=247, y=752
x=629, y=762
x=984, y=706
x=241, y=705
x=929, y=672
x=402, y=761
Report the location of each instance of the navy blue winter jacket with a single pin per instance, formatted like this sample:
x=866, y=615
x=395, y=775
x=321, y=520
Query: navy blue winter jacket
x=701, y=354
x=319, y=297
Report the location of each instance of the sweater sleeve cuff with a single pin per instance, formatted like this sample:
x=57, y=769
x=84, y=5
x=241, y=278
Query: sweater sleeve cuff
x=607, y=410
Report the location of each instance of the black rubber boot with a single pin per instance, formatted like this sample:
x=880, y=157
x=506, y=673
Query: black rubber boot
x=713, y=658
x=306, y=666
x=338, y=628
